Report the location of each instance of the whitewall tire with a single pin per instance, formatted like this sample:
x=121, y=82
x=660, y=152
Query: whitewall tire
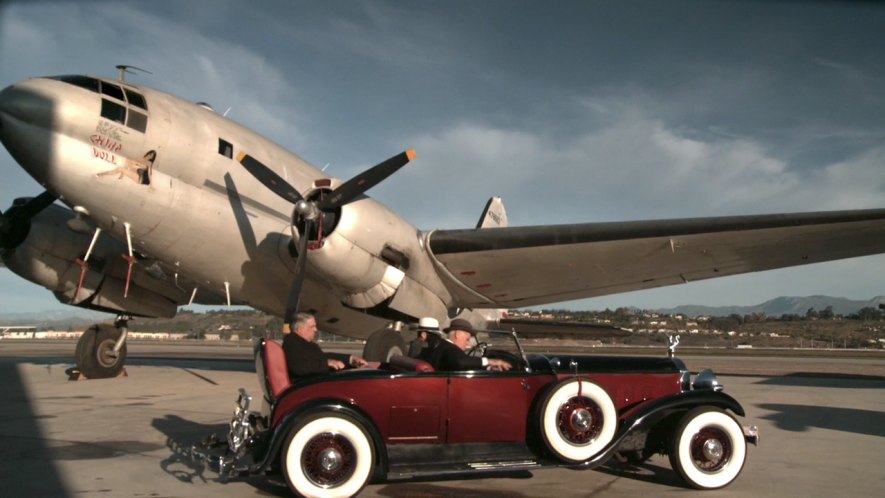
x=330, y=456
x=576, y=427
x=708, y=448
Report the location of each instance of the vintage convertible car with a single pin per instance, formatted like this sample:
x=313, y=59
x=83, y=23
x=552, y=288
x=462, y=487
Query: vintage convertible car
x=332, y=434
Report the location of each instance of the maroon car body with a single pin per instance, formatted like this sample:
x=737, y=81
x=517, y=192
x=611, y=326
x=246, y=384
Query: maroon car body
x=329, y=435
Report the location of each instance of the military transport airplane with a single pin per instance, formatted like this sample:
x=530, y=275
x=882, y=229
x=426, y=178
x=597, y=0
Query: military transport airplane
x=168, y=203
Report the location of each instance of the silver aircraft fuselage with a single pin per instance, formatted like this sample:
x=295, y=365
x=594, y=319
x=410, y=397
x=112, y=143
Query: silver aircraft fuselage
x=199, y=213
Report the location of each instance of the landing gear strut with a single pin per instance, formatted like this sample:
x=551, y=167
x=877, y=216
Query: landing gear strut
x=101, y=350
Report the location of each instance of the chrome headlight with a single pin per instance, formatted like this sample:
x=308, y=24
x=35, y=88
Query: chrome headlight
x=706, y=379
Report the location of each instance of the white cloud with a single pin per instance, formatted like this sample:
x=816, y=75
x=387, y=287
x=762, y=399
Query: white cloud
x=634, y=166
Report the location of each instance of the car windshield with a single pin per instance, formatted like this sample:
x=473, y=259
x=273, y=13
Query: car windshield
x=490, y=342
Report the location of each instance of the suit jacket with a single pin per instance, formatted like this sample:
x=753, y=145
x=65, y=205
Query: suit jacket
x=306, y=358
x=445, y=356
x=416, y=348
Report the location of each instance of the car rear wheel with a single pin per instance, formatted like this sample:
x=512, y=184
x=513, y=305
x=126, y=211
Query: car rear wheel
x=708, y=448
x=578, y=420
x=328, y=455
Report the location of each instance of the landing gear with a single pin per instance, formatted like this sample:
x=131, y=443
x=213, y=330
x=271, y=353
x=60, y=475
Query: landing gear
x=383, y=344
x=101, y=350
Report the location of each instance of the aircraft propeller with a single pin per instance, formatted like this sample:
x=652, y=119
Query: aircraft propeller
x=310, y=212
x=16, y=221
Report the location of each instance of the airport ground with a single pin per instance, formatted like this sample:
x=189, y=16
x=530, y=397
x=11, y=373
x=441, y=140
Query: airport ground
x=822, y=422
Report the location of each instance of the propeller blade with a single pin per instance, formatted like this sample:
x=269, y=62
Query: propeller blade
x=268, y=178
x=298, y=281
x=357, y=185
x=33, y=206
x=15, y=221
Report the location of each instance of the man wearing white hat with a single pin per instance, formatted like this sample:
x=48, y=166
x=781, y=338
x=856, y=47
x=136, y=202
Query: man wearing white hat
x=426, y=325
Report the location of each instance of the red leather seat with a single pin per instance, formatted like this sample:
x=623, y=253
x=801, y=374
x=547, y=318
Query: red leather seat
x=408, y=364
x=276, y=373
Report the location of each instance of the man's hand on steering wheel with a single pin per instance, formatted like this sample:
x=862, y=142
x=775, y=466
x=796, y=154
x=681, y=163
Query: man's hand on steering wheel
x=499, y=365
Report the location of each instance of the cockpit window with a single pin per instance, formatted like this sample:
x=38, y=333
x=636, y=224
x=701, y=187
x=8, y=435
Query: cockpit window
x=135, y=99
x=81, y=81
x=132, y=115
x=137, y=121
x=112, y=91
x=113, y=111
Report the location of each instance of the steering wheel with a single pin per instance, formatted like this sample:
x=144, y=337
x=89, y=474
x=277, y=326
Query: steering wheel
x=479, y=350
x=514, y=360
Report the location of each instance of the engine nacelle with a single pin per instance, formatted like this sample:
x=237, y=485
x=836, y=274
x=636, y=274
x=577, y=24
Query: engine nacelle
x=380, y=264
x=47, y=257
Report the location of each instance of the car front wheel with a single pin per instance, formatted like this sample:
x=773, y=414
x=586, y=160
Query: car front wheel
x=329, y=455
x=578, y=420
x=708, y=448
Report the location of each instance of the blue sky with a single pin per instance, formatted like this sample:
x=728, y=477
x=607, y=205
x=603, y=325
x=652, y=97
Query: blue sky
x=572, y=111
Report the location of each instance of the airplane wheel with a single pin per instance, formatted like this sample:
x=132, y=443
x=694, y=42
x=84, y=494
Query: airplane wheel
x=576, y=427
x=329, y=455
x=708, y=448
x=383, y=344
x=95, y=352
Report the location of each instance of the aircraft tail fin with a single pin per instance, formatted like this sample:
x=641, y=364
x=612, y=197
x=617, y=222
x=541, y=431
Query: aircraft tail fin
x=494, y=215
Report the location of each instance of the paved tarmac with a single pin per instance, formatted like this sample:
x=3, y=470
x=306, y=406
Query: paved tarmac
x=823, y=434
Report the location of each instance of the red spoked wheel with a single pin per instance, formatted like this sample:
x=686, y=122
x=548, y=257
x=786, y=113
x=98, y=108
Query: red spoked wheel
x=708, y=448
x=329, y=455
x=578, y=420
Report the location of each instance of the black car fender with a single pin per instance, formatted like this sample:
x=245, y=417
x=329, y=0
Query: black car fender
x=329, y=405
x=648, y=416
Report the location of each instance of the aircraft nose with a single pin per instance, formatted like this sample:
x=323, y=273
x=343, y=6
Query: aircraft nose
x=23, y=102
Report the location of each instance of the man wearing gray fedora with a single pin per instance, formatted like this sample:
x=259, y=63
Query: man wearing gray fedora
x=447, y=354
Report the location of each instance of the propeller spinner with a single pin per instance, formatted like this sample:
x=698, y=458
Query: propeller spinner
x=309, y=212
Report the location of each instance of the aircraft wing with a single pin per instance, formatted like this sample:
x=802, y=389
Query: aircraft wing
x=526, y=266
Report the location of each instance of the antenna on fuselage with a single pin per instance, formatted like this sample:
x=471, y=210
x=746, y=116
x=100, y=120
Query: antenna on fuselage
x=126, y=69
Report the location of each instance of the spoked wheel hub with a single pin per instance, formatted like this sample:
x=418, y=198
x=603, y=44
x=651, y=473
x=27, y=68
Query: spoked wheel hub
x=328, y=460
x=580, y=421
x=710, y=449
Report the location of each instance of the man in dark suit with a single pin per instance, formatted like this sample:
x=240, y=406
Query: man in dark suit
x=304, y=357
x=447, y=354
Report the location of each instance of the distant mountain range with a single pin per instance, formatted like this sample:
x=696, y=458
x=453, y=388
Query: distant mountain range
x=75, y=317
x=781, y=306
x=59, y=319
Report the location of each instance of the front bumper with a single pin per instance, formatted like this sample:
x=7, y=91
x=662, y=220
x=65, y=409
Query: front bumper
x=230, y=458
x=751, y=434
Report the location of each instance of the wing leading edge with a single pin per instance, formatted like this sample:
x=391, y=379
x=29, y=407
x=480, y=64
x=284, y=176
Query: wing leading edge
x=526, y=266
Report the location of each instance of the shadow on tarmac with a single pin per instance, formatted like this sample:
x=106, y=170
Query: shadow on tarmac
x=801, y=418
x=835, y=380
x=645, y=472
x=181, y=436
x=26, y=461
